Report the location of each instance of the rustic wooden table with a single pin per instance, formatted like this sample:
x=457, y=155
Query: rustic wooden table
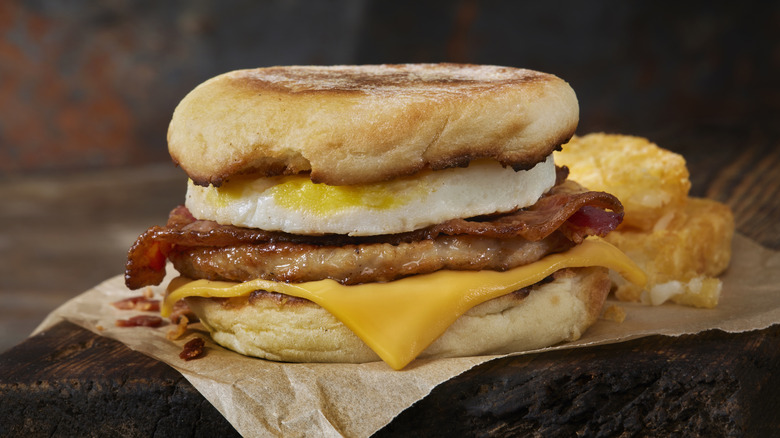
x=70, y=382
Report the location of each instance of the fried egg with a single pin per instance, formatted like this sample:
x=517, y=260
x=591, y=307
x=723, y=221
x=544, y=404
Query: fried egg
x=294, y=204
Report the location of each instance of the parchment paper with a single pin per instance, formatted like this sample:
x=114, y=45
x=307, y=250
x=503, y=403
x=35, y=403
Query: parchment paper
x=263, y=398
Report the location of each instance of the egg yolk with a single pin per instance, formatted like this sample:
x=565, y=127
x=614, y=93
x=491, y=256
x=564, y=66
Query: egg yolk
x=298, y=193
x=226, y=194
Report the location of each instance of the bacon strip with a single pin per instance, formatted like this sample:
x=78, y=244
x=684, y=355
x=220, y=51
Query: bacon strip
x=140, y=321
x=567, y=207
x=594, y=213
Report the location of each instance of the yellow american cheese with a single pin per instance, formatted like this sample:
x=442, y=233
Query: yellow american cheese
x=399, y=319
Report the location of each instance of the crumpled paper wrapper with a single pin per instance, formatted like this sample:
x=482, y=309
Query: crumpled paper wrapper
x=266, y=398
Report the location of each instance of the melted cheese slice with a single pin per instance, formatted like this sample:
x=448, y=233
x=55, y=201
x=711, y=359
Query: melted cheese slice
x=399, y=319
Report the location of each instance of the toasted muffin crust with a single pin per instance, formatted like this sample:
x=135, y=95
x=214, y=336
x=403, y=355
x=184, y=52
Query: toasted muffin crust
x=370, y=123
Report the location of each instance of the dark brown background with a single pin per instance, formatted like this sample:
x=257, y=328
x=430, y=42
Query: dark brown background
x=87, y=89
x=92, y=84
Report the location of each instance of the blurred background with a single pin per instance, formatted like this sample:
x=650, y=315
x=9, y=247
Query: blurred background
x=87, y=89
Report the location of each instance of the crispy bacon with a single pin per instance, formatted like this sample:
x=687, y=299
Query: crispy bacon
x=140, y=321
x=140, y=302
x=567, y=207
x=182, y=311
x=553, y=211
x=193, y=349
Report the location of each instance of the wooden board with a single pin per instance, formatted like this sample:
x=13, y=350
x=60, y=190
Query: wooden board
x=70, y=382
x=708, y=385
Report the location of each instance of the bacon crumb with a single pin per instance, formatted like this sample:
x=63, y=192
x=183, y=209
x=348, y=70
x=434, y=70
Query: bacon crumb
x=181, y=310
x=140, y=321
x=140, y=302
x=179, y=330
x=193, y=349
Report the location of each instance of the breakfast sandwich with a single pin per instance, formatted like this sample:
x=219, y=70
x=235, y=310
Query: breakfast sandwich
x=358, y=213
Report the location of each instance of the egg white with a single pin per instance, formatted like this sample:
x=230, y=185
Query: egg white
x=406, y=204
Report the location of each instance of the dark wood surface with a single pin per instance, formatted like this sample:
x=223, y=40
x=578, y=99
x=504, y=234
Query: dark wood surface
x=703, y=385
x=69, y=382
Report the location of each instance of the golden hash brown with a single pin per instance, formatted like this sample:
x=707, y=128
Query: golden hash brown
x=699, y=292
x=647, y=179
x=682, y=243
x=689, y=245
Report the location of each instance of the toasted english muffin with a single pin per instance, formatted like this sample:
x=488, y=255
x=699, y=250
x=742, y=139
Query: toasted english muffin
x=350, y=125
